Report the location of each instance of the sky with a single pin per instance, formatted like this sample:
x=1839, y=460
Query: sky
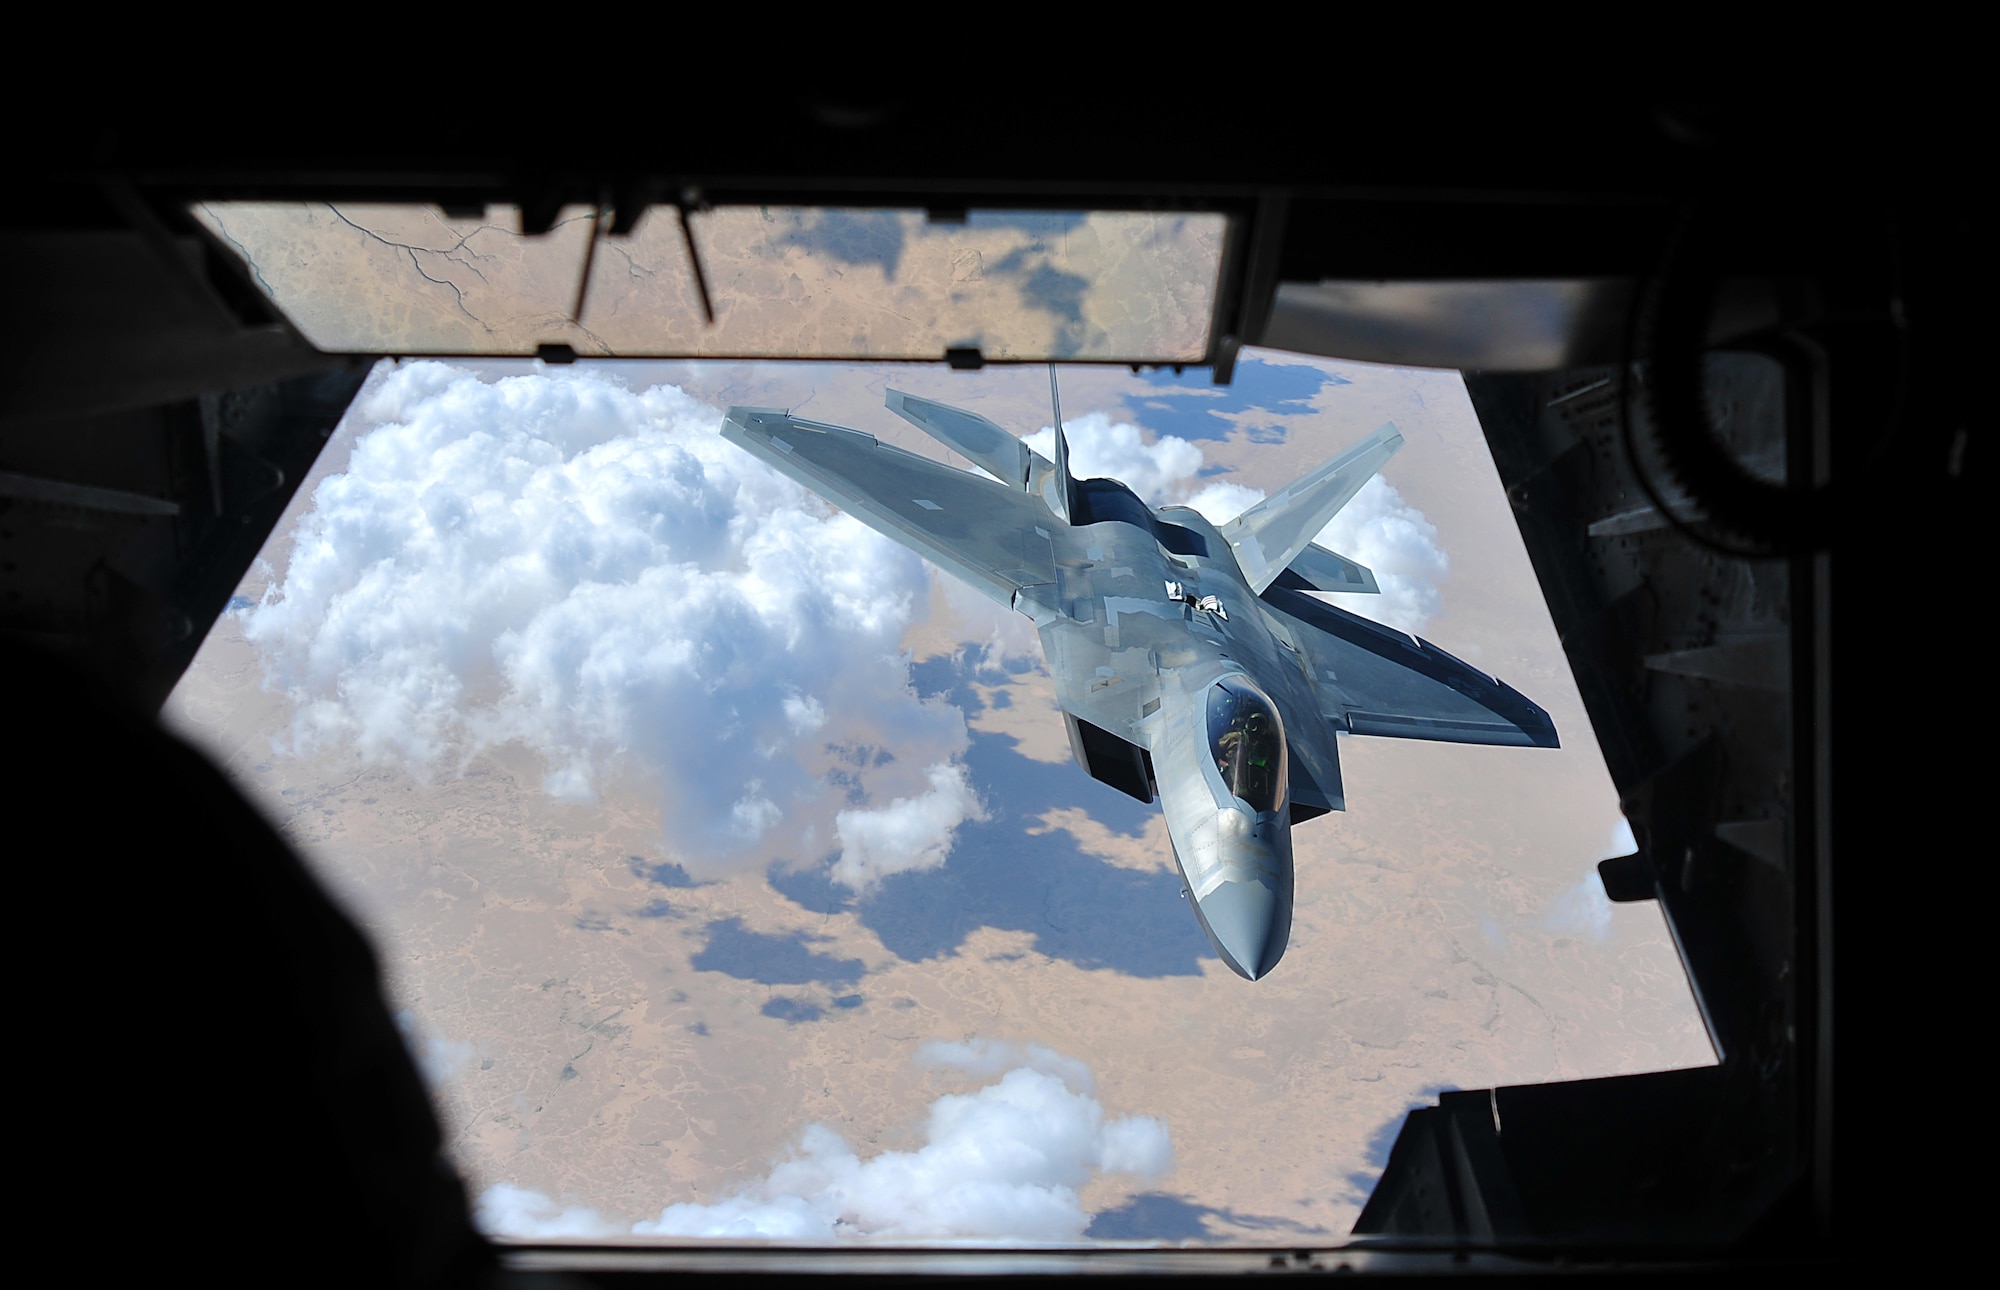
x=731, y=872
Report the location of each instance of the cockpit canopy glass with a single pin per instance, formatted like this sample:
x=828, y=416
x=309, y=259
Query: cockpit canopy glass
x=1248, y=743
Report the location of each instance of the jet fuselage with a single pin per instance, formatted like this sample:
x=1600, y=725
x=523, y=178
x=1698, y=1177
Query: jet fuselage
x=1155, y=623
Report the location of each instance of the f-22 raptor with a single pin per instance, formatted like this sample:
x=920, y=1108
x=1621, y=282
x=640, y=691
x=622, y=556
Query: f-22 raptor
x=1190, y=660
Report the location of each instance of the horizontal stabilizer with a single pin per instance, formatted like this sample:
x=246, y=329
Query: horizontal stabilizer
x=1318, y=569
x=1272, y=534
x=978, y=440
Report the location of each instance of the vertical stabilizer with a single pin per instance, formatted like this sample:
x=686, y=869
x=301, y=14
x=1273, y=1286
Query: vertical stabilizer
x=1056, y=488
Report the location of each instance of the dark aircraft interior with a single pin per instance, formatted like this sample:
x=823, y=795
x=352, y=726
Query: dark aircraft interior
x=1721, y=347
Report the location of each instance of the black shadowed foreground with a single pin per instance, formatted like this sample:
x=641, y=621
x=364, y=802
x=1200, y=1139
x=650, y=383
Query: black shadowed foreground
x=226, y=1072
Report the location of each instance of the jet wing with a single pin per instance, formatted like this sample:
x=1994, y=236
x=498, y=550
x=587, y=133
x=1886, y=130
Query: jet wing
x=985, y=534
x=1375, y=680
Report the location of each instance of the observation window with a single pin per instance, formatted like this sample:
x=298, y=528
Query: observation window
x=669, y=989
x=781, y=282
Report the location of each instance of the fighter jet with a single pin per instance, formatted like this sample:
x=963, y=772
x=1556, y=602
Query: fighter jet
x=1190, y=659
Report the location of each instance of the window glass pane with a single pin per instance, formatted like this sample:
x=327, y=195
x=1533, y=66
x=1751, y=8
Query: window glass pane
x=790, y=282
x=733, y=871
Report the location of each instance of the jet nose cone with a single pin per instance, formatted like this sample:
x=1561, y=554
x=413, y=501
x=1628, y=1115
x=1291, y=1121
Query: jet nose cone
x=1248, y=926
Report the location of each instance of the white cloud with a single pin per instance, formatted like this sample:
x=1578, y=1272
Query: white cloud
x=1100, y=448
x=909, y=833
x=594, y=573
x=1222, y=502
x=1138, y=1145
x=1393, y=538
x=506, y=1210
x=993, y=1056
x=1377, y=528
x=1001, y=1164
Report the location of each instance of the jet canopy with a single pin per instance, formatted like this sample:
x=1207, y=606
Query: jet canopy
x=1248, y=744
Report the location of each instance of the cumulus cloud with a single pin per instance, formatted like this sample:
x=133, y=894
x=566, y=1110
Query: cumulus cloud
x=506, y=1210
x=994, y=1056
x=1222, y=502
x=1377, y=527
x=909, y=833
x=1001, y=1164
x=1100, y=448
x=1393, y=538
x=594, y=573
